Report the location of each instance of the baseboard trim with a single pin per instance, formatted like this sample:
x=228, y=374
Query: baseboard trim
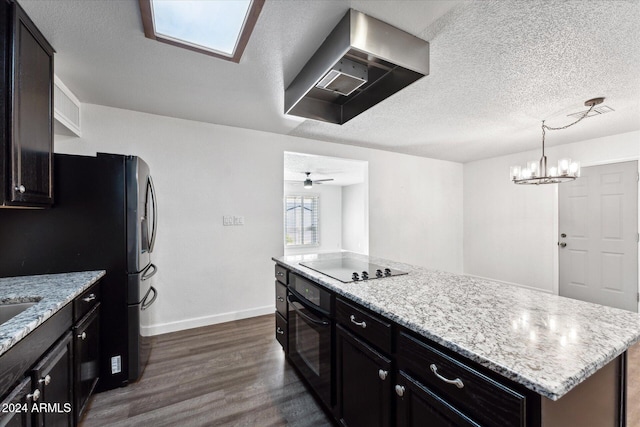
x=196, y=322
x=520, y=285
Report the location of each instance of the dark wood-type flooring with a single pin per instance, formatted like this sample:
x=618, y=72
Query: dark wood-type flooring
x=231, y=374
x=234, y=374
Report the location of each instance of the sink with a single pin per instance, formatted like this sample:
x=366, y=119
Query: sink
x=8, y=311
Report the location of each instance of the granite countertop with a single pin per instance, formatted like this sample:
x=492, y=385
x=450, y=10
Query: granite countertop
x=545, y=342
x=50, y=291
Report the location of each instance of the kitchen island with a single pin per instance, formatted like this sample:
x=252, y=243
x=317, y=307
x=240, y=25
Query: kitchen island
x=566, y=357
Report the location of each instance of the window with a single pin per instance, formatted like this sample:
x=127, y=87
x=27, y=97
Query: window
x=301, y=221
x=219, y=28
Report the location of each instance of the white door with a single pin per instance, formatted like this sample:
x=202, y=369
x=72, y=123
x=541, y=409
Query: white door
x=598, y=242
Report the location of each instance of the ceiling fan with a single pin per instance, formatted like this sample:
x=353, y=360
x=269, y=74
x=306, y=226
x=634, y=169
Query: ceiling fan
x=308, y=183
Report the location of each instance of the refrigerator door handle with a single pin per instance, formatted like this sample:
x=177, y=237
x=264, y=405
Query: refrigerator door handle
x=154, y=206
x=144, y=305
x=148, y=275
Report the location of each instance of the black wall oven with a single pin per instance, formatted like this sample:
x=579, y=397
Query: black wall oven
x=310, y=326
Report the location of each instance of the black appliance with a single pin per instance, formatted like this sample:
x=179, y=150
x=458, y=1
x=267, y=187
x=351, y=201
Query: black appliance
x=104, y=217
x=310, y=334
x=351, y=270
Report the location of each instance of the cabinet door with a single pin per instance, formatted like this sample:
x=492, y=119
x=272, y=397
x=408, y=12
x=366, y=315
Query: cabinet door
x=418, y=406
x=32, y=125
x=16, y=407
x=53, y=374
x=363, y=383
x=86, y=351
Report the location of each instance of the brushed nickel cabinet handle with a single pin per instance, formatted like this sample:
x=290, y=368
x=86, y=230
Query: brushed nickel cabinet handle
x=399, y=390
x=362, y=324
x=21, y=188
x=457, y=382
x=35, y=395
x=82, y=336
x=279, y=331
x=280, y=299
x=89, y=298
x=383, y=374
x=46, y=380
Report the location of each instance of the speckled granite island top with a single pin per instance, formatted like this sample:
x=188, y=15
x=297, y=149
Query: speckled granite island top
x=50, y=291
x=545, y=342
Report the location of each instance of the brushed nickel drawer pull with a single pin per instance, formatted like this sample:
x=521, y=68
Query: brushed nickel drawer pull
x=279, y=273
x=89, y=298
x=280, y=299
x=399, y=390
x=362, y=324
x=457, y=382
x=34, y=396
x=46, y=380
x=383, y=374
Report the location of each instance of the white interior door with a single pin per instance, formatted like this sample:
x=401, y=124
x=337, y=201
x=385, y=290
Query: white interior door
x=598, y=242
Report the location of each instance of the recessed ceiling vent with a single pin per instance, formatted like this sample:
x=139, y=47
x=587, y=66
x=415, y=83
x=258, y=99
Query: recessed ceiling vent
x=595, y=111
x=362, y=62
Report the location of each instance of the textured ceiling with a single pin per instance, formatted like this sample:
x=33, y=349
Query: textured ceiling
x=497, y=69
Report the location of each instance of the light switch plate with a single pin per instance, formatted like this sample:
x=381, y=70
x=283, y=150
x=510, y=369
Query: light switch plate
x=238, y=220
x=227, y=220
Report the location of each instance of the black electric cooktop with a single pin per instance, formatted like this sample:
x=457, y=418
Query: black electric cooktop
x=351, y=270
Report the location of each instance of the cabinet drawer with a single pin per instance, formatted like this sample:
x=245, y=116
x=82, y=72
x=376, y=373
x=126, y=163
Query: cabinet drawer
x=86, y=301
x=282, y=332
x=281, y=299
x=366, y=325
x=281, y=274
x=472, y=392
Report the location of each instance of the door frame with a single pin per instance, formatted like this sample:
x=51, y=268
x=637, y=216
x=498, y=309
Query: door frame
x=556, y=225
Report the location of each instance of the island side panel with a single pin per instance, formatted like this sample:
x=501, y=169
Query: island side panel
x=598, y=401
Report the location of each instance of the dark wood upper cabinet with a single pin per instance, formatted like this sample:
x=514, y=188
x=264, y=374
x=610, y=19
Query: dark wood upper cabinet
x=26, y=129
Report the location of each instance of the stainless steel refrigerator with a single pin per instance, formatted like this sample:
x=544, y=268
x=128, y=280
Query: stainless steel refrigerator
x=104, y=217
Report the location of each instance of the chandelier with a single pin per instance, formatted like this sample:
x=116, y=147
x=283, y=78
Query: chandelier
x=536, y=171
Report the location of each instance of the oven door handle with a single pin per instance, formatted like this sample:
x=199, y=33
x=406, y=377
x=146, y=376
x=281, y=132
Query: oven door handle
x=304, y=316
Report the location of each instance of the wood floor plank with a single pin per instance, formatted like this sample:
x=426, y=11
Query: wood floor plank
x=232, y=374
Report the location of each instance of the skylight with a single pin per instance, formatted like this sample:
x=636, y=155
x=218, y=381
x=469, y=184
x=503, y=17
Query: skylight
x=219, y=28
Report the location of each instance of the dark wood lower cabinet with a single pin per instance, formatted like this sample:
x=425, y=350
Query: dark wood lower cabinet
x=363, y=383
x=86, y=352
x=417, y=406
x=54, y=377
x=16, y=407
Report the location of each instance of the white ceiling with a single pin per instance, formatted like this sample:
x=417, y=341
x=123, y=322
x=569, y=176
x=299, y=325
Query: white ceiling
x=497, y=69
x=342, y=171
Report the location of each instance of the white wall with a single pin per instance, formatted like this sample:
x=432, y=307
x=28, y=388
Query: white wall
x=330, y=217
x=511, y=231
x=355, y=218
x=209, y=273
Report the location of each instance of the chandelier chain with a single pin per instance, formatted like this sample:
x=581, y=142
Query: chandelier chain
x=544, y=127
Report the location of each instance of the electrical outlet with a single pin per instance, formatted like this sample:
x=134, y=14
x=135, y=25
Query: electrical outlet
x=227, y=220
x=238, y=220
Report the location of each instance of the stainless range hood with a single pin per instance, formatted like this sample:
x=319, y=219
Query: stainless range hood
x=362, y=62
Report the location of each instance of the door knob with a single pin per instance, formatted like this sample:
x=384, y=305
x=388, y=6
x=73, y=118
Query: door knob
x=562, y=244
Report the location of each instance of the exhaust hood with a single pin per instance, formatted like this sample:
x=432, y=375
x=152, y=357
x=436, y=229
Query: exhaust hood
x=362, y=62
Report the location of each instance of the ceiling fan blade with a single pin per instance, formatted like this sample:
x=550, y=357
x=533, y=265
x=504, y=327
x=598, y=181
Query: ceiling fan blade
x=321, y=180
